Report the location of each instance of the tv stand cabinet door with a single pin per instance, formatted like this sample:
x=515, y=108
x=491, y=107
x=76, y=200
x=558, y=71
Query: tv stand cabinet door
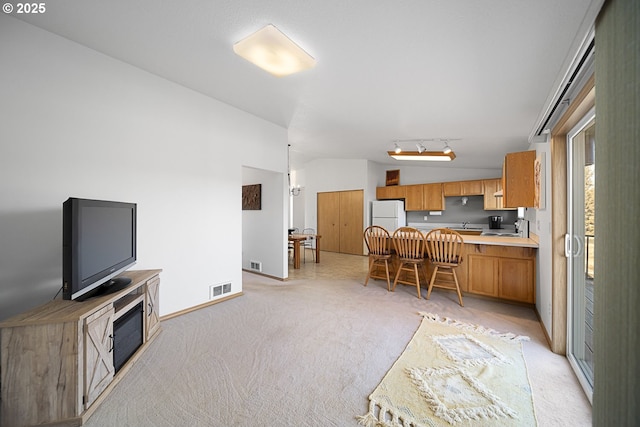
x=152, y=314
x=98, y=350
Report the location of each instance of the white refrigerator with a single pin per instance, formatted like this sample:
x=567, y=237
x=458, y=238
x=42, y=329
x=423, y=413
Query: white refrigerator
x=389, y=214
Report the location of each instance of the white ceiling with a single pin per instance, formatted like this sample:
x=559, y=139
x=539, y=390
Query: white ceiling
x=480, y=71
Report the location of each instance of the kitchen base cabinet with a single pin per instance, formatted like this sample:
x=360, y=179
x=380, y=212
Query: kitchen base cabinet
x=502, y=272
x=517, y=280
x=57, y=360
x=484, y=275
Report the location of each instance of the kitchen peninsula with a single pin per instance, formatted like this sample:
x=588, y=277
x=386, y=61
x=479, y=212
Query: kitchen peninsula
x=494, y=266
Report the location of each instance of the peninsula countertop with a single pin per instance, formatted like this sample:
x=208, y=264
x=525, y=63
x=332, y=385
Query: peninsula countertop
x=499, y=240
x=530, y=242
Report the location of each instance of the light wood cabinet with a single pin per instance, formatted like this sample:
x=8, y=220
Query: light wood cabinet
x=424, y=197
x=518, y=180
x=484, y=275
x=414, y=200
x=340, y=221
x=433, y=199
x=392, y=192
x=98, y=344
x=463, y=188
x=152, y=314
x=504, y=272
x=57, y=360
x=517, y=279
x=491, y=202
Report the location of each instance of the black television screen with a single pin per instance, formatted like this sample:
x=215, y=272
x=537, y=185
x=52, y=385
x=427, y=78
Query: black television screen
x=99, y=242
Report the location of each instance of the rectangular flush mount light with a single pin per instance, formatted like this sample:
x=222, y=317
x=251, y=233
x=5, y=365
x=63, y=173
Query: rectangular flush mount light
x=432, y=156
x=274, y=52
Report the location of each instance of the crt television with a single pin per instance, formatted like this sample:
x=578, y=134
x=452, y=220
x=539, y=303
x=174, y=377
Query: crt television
x=98, y=243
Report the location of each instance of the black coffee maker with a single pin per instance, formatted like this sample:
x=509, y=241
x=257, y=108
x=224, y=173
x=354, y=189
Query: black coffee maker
x=495, y=222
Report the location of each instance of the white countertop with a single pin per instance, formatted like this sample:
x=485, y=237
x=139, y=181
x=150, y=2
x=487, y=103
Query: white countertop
x=531, y=242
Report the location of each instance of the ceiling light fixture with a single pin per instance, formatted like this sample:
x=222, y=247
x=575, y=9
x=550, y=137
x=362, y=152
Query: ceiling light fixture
x=433, y=156
x=444, y=155
x=274, y=52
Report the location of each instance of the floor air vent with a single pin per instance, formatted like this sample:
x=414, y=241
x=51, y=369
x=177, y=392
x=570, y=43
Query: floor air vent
x=217, y=290
x=255, y=265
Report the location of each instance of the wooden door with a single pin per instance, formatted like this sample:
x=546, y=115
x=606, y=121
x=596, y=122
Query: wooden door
x=472, y=188
x=483, y=275
x=414, y=197
x=390, y=192
x=152, y=315
x=519, y=179
x=492, y=202
x=517, y=280
x=433, y=197
x=98, y=353
x=329, y=220
x=351, y=222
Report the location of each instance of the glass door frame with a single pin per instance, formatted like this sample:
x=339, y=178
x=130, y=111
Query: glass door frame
x=574, y=252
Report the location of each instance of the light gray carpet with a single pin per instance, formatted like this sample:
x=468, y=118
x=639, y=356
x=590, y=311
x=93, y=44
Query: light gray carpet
x=308, y=352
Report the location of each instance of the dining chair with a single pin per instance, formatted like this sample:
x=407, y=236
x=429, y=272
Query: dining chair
x=378, y=243
x=309, y=243
x=445, y=249
x=409, y=246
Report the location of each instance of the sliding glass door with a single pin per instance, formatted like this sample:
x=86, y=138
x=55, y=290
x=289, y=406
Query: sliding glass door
x=580, y=248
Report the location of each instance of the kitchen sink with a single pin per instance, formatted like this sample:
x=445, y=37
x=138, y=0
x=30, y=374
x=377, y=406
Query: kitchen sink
x=489, y=233
x=468, y=231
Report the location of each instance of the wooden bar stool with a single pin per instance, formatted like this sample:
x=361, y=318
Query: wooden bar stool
x=378, y=243
x=445, y=251
x=409, y=245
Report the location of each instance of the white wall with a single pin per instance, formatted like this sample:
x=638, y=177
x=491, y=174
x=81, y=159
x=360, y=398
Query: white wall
x=260, y=228
x=540, y=224
x=77, y=123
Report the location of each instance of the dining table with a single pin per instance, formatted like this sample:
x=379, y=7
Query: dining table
x=296, y=239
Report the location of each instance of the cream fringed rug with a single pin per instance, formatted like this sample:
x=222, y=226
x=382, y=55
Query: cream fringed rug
x=454, y=373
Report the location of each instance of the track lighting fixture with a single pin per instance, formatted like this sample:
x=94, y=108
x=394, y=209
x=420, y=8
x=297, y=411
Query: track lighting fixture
x=445, y=155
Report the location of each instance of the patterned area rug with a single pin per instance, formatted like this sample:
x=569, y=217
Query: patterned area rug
x=454, y=373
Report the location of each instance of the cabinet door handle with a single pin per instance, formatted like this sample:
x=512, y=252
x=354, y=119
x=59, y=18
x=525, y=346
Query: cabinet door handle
x=150, y=308
x=112, y=338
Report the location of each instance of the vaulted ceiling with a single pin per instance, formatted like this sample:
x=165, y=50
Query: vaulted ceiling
x=479, y=72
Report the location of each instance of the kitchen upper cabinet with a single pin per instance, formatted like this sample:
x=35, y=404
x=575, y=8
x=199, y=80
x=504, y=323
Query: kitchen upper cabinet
x=433, y=199
x=519, y=182
x=391, y=192
x=501, y=271
x=414, y=197
x=463, y=188
x=491, y=202
x=424, y=197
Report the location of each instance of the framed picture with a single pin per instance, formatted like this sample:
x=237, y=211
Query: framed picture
x=393, y=177
x=252, y=197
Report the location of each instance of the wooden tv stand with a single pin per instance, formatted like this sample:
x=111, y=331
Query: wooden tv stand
x=56, y=360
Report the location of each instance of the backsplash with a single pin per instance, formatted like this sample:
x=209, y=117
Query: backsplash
x=457, y=213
